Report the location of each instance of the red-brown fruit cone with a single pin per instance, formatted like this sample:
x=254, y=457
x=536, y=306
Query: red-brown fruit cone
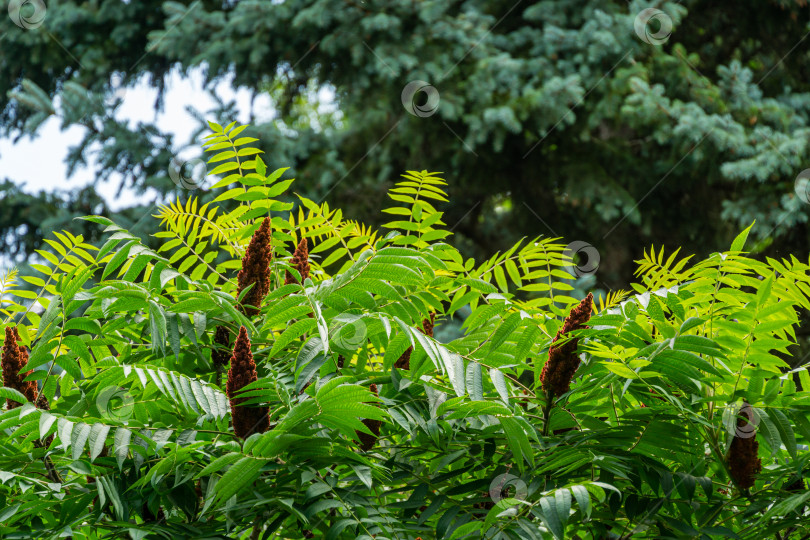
x=300, y=260
x=219, y=355
x=14, y=357
x=743, y=460
x=563, y=361
x=404, y=361
x=256, y=270
x=795, y=486
x=427, y=325
x=246, y=420
x=367, y=441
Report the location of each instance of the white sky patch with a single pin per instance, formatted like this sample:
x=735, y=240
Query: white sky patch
x=39, y=163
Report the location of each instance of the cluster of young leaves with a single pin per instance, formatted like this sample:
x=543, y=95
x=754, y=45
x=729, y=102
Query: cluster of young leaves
x=137, y=441
x=668, y=371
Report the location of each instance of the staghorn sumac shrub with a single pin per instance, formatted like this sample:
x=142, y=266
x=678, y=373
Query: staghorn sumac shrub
x=673, y=412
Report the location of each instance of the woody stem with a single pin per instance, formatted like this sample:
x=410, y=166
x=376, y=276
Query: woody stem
x=547, y=413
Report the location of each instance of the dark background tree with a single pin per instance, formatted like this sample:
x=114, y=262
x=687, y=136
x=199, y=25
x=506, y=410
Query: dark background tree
x=554, y=118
